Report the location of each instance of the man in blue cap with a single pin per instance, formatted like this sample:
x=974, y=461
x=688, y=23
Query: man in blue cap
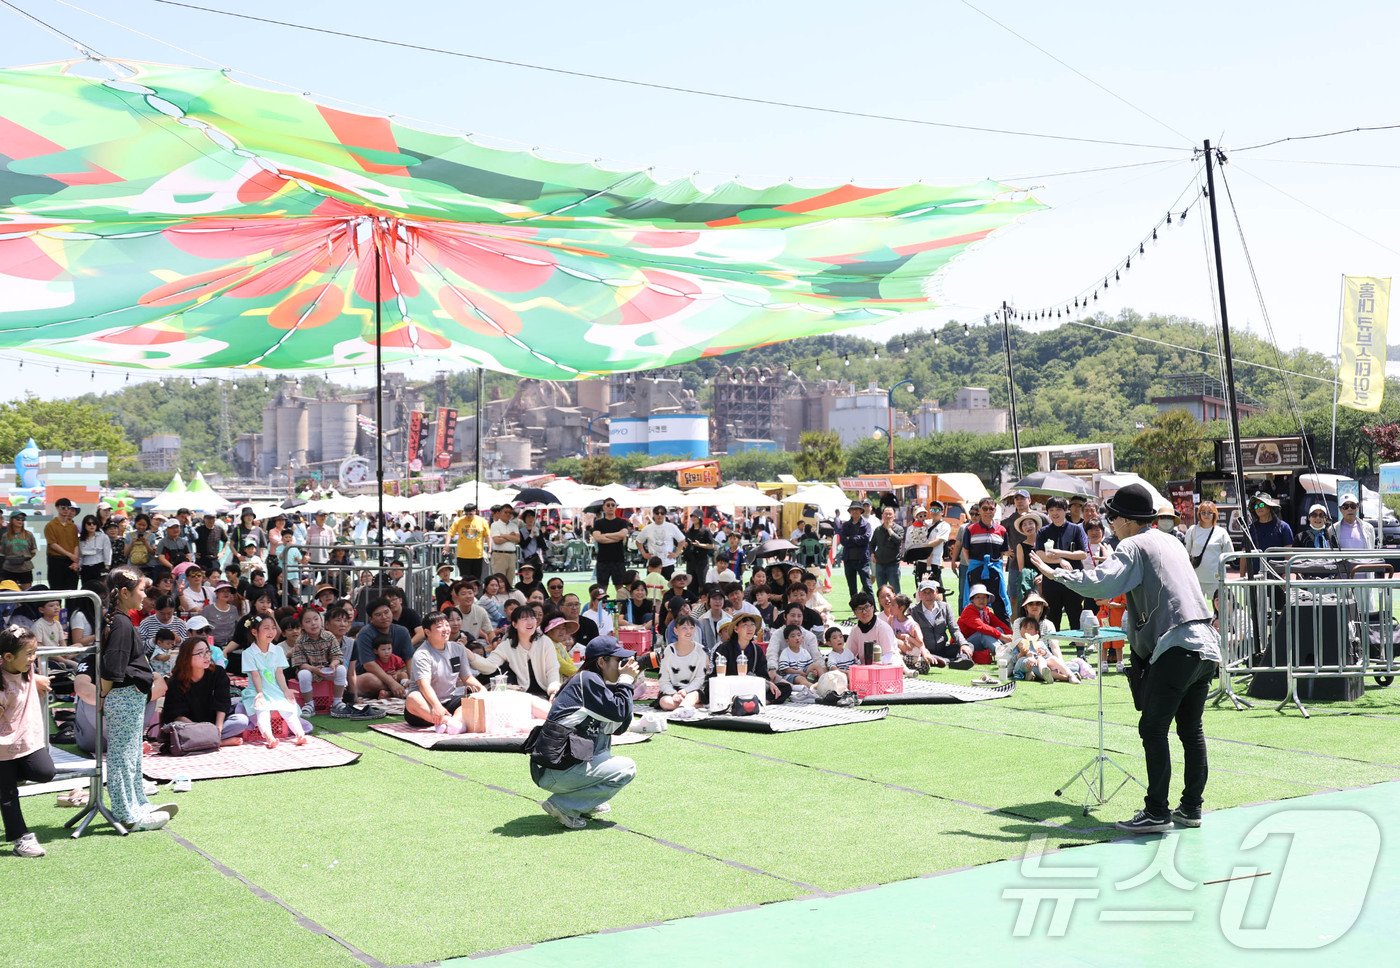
x=571, y=752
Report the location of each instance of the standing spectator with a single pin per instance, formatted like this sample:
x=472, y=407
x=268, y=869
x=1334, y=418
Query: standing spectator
x=699, y=548
x=114, y=529
x=662, y=539
x=1072, y=545
x=610, y=534
x=61, y=536
x=855, y=549
x=125, y=688
x=24, y=755
x=319, y=538
x=173, y=548
x=531, y=540
x=94, y=551
x=1207, y=542
x=505, y=543
x=18, y=548
x=1021, y=500
x=924, y=542
x=1316, y=534
x=140, y=547
x=1351, y=532
x=246, y=532
x=886, y=548
x=984, y=551
x=209, y=537
x=470, y=534
x=1268, y=530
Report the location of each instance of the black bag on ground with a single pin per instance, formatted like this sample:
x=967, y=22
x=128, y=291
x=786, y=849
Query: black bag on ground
x=745, y=706
x=186, y=739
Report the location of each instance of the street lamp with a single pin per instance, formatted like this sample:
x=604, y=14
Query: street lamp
x=890, y=400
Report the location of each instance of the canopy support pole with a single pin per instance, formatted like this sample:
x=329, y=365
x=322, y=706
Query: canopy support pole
x=1011, y=387
x=477, y=422
x=379, y=396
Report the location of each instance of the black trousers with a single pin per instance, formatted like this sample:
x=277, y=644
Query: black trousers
x=854, y=572
x=1175, y=690
x=37, y=767
x=1061, y=601
x=61, y=574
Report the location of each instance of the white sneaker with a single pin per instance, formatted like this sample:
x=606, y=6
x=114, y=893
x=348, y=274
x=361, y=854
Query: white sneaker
x=153, y=821
x=308, y=708
x=565, y=819
x=29, y=846
x=599, y=810
x=182, y=784
x=169, y=809
x=1119, y=668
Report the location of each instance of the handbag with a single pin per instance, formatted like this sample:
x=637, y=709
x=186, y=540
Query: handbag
x=186, y=739
x=555, y=746
x=745, y=706
x=1196, y=559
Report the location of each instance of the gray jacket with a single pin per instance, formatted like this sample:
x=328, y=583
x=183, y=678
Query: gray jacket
x=941, y=633
x=1165, y=605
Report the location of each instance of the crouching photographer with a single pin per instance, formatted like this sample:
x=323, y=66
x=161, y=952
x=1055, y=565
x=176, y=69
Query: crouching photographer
x=571, y=751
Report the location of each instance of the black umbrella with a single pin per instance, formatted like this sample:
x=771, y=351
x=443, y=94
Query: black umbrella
x=596, y=507
x=774, y=546
x=292, y=502
x=535, y=495
x=1053, y=484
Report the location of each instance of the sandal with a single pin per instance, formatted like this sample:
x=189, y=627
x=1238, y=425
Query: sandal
x=986, y=680
x=73, y=798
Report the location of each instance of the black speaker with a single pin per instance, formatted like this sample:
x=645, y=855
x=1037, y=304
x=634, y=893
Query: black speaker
x=1335, y=623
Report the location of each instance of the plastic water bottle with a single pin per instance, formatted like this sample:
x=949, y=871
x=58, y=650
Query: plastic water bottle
x=742, y=664
x=1003, y=663
x=721, y=666
x=1089, y=628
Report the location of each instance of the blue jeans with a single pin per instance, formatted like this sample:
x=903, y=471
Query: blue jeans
x=584, y=786
x=887, y=575
x=981, y=640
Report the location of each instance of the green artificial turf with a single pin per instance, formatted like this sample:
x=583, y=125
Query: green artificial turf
x=414, y=856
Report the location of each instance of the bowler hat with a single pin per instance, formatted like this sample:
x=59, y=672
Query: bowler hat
x=1134, y=502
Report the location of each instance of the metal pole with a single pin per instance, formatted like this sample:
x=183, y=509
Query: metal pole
x=478, y=434
x=379, y=393
x=1011, y=385
x=1234, y=414
x=890, y=435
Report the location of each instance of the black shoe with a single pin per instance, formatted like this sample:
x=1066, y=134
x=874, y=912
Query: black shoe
x=1183, y=817
x=1144, y=823
x=961, y=662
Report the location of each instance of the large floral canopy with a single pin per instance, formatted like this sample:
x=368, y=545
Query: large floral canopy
x=173, y=218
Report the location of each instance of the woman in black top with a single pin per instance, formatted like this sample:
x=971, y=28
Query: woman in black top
x=740, y=638
x=637, y=609
x=198, y=692
x=126, y=685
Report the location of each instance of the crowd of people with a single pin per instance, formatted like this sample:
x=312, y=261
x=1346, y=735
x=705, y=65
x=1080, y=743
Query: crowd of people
x=243, y=623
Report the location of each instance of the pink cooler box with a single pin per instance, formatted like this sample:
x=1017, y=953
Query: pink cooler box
x=635, y=640
x=876, y=680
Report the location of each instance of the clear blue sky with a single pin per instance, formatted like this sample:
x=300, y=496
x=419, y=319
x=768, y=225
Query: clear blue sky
x=1238, y=73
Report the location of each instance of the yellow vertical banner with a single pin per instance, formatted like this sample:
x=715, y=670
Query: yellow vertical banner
x=1361, y=367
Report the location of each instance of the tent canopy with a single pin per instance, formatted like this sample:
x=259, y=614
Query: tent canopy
x=176, y=218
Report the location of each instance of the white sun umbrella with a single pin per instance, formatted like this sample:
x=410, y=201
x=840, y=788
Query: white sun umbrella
x=668, y=496
x=740, y=496
x=827, y=498
x=572, y=494
x=625, y=496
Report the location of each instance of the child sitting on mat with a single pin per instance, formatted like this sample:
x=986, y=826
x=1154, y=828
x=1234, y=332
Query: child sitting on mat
x=840, y=658
x=266, y=692
x=793, y=658
x=367, y=685
x=317, y=657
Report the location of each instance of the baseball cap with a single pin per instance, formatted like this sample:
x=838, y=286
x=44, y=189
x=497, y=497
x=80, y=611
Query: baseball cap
x=197, y=623
x=926, y=585
x=606, y=645
x=18, y=515
x=1345, y=502
x=63, y=502
x=1021, y=492
x=1317, y=509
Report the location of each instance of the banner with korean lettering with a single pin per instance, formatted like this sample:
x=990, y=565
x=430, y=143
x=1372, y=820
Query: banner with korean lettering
x=1361, y=368
x=445, y=437
x=413, y=442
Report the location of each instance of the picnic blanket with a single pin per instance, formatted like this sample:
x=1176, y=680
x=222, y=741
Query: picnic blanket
x=783, y=719
x=923, y=691
x=430, y=739
x=250, y=759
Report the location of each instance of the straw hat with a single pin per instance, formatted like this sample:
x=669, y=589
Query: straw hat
x=727, y=629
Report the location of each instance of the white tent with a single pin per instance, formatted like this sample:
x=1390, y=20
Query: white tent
x=170, y=499
x=1107, y=485
x=740, y=496
x=827, y=498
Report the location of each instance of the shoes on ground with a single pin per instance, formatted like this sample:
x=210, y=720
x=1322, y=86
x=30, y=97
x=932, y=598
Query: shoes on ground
x=599, y=810
x=29, y=846
x=152, y=821
x=308, y=708
x=961, y=662
x=566, y=820
x=1145, y=823
x=1183, y=817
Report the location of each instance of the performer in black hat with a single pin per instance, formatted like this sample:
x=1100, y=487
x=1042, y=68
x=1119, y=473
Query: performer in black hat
x=1176, y=651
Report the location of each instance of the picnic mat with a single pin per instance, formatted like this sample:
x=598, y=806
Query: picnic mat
x=430, y=739
x=923, y=691
x=250, y=759
x=784, y=719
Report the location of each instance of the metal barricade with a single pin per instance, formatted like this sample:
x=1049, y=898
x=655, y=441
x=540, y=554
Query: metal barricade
x=65, y=767
x=1306, y=615
x=412, y=567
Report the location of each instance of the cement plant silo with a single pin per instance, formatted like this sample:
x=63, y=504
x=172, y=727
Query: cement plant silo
x=628, y=435
x=338, y=429
x=679, y=435
x=313, y=430
x=291, y=435
x=267, y=456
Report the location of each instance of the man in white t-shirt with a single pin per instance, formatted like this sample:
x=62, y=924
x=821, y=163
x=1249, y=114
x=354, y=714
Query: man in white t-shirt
x=505, y=543
x=662, y=539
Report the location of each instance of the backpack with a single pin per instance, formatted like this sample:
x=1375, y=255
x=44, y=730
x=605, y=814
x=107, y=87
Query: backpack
x=140, y=552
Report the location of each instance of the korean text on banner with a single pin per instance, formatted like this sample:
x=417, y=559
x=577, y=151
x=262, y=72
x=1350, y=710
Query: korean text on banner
x=414, y=440
x=1361, y=369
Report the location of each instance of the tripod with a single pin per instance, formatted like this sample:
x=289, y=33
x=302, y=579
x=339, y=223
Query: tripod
x=1094, y=773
